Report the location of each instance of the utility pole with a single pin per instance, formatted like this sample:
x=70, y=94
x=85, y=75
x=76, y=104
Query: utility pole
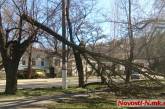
x=64, y=64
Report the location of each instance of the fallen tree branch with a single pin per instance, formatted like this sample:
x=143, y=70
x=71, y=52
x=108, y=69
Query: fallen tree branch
x=106, y=80
x=93, y=54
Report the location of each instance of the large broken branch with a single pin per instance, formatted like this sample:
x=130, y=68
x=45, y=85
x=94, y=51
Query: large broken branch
x=60, y=38
x=92, y=54
x=108, y=81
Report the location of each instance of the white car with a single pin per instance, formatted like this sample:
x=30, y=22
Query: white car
x=135, y=75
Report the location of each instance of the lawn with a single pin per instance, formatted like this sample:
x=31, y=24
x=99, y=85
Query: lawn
x=90, y=97
x=71, y=98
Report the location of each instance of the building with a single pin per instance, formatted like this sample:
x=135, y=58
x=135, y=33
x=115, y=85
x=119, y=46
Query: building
x=47, y=61
x=40, y=61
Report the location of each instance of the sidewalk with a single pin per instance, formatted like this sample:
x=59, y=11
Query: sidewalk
x=35, y=102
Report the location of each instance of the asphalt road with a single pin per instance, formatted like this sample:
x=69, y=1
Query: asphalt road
x=44, y=83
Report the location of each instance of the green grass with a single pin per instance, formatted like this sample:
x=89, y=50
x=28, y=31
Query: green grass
x=82, y=106
x=86, y=103
x=101, y=100
x=74, y=90
x=44, y=91
x=93, y=101
x=39, y=92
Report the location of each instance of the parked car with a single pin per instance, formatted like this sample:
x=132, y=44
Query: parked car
x=135, y=74
x=36, y=73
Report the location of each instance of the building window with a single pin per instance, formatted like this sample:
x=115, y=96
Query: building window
x=23, y=62
x=33, y=62
x=42, y=62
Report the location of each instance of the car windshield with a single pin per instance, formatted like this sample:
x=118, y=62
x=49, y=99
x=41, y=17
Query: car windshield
x=135, y=72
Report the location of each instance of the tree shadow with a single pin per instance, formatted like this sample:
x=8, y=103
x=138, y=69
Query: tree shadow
x=7, y=104
x=63, y=98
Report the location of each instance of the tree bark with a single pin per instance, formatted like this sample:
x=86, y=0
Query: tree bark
x=79, y=67
x=128, y=74
x=100, y=70
x=64, y=60
x=11, y=76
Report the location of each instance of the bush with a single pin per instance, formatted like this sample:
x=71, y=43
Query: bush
x=39, y=73
x=36, y=73
x=21, y=74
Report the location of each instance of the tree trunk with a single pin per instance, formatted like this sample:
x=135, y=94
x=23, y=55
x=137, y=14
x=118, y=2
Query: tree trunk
x=11, y=63
x=79, y=67
x=131, y=43
x=100, y=69
x=29, y=71
x=128, y=73
x=11, y=77
x=77, y=55
x=64, y=62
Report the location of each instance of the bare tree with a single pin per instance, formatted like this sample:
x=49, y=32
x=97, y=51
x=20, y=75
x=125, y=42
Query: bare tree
x=64, y=62
x=76, y=53
x=131, y=42
x=15, y=37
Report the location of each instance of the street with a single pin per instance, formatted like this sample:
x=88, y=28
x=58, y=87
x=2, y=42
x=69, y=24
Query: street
x=44, y=83
x=51, y=82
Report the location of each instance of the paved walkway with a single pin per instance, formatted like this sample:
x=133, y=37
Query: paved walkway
x=35, y=102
